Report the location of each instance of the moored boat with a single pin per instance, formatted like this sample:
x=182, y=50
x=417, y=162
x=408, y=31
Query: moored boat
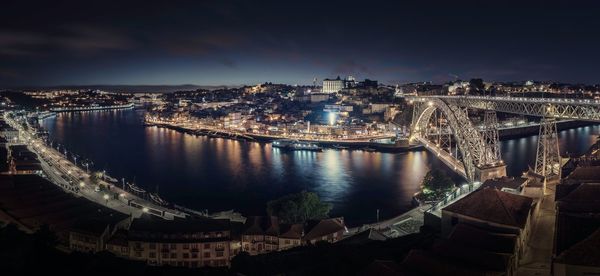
x=296, y=145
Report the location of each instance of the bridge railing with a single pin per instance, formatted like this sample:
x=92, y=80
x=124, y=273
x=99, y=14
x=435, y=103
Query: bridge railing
x=453, y=196
x=518, y=99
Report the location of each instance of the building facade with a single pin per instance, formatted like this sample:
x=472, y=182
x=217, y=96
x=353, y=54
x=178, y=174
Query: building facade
x=186, y=243
x=333, y=85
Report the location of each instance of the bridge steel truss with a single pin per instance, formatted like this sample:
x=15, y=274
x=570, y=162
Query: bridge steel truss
x=587, y=110
x=547, y=156
x=469, y=140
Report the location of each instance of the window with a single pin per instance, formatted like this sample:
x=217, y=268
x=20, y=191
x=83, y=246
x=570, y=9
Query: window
x=164, y=255
x=207, y=255
x=186, y=246
x=173, y=246
x=152, y=255
x=194, y=255
x=287, y=241
x=138, y=254
x=173, y=255
x=152, y=245
x=219, y=253
x=186, y=255
x=207, y=246
x=194, y=246
x=220, y=246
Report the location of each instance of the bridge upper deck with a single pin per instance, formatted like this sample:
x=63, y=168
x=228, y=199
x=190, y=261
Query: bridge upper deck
x=577, y=109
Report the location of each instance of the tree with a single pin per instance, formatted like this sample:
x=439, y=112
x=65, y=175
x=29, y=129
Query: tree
x=95, y=177
x=436, y=184
x=298, y=208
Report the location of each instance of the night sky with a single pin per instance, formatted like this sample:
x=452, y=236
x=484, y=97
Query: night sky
x=247, y=42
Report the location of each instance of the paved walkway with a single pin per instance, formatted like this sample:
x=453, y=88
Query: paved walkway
x=537, y=256
x=403, y=224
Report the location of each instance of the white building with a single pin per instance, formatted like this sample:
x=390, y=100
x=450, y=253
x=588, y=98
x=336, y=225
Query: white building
x=333, y=86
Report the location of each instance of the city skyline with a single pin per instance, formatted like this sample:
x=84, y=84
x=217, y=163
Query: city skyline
x=240, y=43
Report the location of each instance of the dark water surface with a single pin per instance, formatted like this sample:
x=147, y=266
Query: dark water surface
x=220, y=174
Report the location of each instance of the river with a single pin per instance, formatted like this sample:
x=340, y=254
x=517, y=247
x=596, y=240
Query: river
x=220, y=174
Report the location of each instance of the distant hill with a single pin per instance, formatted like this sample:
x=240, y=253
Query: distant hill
x=132, y=88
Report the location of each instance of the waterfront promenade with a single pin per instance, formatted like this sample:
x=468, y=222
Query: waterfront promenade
x=259, y=136
x=92, y=108
x=74, y=179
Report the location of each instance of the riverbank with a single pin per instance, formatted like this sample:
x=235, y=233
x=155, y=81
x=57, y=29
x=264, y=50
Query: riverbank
x=337, y=144
x=92, y=108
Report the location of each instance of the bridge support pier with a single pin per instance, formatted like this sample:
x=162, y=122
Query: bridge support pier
x=490, y=171
x=547, y=162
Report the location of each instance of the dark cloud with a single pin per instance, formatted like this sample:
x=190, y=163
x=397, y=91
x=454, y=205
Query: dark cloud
x=93, y=39
x=66, y=41
x=351, y=67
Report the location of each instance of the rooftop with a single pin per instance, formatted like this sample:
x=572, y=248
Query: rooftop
x=483, y=239
x=148, y=228
x=319, y=228
x=585, y=174
x=291, y=231
x=261, y=225
x=494, y=206
x=584, y=253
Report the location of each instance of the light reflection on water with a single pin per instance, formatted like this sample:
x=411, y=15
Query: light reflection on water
x=221, y=174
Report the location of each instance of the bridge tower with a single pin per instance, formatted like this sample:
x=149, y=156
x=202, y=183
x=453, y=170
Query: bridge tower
x=492, y=166
x=490, y=137
x=547, y=162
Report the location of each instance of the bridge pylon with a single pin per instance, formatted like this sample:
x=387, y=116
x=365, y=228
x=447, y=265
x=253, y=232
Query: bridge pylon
x=492, y=165
x=490, y=137
x=547, y=162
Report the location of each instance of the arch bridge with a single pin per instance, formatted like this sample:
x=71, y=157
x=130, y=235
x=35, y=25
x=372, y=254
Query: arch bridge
x=442, y=124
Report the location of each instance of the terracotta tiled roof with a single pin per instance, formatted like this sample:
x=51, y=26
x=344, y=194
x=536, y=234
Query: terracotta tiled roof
x=148, y=228
x=586, y=174
x=319, y=228
x=584, y=198
x=494, y=206
x=483, y=239
x=584, y=253
x=291, y=231
x=585, y=192
x=260, y=225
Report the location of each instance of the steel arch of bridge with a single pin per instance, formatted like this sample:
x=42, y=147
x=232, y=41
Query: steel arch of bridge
x=469, y=141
